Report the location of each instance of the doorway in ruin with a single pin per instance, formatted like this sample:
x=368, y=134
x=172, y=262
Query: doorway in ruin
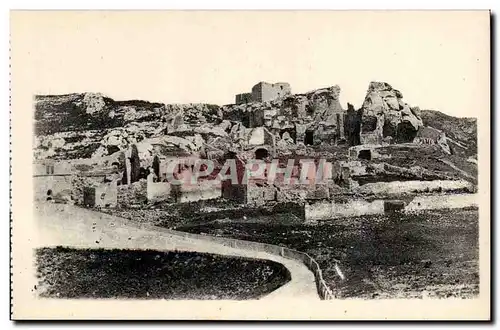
x=365, y=154
x=309, y=138
x=261, y=153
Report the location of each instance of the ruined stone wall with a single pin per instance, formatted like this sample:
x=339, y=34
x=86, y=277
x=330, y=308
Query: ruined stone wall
x=319, y=192
x=243, y=98
x=79, y=182
x=234, y=192
x=256, y=118
x=158, y=191
x=49, y=167
x=58, y=184
x=263, y=92
x=330, y=210
x=133, y=194
x=260, y=195
x=399, y=187
x=203, y=190
x=104, y=195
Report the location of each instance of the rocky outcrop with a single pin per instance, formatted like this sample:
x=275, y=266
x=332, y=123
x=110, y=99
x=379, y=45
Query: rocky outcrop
x=318, y=105
x=386, y=115
x=93, y=102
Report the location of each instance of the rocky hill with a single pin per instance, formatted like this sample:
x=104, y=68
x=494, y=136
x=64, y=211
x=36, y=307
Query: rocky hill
x=90, y=125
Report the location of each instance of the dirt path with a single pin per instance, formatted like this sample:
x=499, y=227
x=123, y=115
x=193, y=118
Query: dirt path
x=66, y=225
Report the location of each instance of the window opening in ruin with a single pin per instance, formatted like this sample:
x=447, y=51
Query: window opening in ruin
x=261, y=153
x=309, y=139
x=112, y=149
x=365, y=154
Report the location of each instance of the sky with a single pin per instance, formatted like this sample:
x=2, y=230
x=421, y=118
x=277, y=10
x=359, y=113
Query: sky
x=438, y=60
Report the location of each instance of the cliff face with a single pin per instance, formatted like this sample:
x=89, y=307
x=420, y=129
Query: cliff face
x=385, y=116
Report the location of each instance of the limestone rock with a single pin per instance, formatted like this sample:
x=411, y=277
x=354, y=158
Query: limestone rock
x=130, y=114
x=209, y=129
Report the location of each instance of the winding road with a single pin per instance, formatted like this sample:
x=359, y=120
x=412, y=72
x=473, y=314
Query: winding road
x=67, y=225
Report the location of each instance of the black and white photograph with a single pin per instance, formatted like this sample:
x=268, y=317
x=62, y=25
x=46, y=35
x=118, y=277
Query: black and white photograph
x=269, y=158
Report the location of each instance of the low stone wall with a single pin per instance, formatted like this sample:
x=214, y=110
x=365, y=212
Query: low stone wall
x=331, y=210
x=328, y=210
x=158, y=191
x=164, y=191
